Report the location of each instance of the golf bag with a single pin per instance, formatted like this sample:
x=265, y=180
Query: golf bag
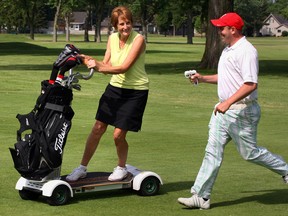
x=43, y=132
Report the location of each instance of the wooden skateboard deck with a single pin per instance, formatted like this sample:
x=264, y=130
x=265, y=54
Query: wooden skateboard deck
x=95, y=179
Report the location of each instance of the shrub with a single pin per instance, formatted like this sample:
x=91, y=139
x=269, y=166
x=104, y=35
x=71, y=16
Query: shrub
x=284, y=33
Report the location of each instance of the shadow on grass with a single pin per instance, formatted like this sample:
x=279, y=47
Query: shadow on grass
x=267, y=197
x=82, y=197
x=266, y=67
x=102, y=195
x=21, y=48
x=174, y=42
x=276, y=68
x=164, y=189
x=176, y=186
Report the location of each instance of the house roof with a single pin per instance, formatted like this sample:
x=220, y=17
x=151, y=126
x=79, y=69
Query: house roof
x=279, y=19
x=78, y=17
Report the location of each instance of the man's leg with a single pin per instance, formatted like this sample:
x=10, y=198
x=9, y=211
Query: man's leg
x=244, y=134
x=211, y=164
x=212, y=161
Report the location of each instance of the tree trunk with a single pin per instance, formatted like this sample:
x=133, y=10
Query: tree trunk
x=99, y=13
x=189, y=28
x=55, y=25
x=174, y=30
x=98, y=30
x=31, y=31
x=144, y=30
x=67, y=29
x=214, y=46
x=144, y=22
x=32, y=24
x=87, y=26
x=30, y=18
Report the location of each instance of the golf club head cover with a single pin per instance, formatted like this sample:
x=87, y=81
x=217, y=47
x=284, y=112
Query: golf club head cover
x=68, y=58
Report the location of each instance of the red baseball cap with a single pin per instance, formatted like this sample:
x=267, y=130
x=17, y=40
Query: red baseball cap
x=229, y=19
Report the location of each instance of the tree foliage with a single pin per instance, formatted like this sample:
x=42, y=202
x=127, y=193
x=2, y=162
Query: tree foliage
x=279, y=7
x=22, y=15
x=253, y=13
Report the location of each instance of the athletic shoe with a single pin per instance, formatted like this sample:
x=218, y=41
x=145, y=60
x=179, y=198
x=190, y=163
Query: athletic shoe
x=195, y=202
x=118, y=174
x=285, y=179
x=77, y=173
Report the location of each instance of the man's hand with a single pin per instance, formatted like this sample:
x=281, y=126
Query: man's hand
x=222, y=107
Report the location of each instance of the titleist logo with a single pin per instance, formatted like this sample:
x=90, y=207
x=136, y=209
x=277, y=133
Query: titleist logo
x=60, y=138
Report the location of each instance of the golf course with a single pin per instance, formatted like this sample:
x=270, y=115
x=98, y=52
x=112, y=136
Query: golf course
x=174, y=132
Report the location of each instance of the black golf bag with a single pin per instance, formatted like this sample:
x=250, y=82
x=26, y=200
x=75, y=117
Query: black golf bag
x=43, y=132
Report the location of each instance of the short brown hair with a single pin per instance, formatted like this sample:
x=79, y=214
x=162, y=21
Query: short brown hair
x=118, y=12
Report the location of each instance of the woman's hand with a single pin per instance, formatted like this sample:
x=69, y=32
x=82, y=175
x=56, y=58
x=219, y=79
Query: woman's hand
x=85, y=59
x=92, y=64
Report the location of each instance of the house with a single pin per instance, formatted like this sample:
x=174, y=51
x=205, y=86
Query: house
x=77, y=21
x=274, y=25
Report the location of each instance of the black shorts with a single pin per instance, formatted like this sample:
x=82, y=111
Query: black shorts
x=122, y=108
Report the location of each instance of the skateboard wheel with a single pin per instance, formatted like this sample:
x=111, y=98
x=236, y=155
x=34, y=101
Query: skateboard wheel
x=28, y=195
x=60, y=196
x=149, y=186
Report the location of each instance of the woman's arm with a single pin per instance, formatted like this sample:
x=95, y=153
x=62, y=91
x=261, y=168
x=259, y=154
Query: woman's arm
x=105, y=67
x=107, y=55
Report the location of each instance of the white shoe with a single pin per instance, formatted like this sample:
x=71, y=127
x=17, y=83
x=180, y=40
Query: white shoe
x=285, y=179
x=195, y=202
x=118, y=174
x=79, y=172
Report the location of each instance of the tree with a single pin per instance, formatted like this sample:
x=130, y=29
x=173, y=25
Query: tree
x=214, y=46
x=10, y=17
x=64, y=10
x=163, y=21
x=30, y=14
x=144, y=11
x=200, y=25
x=279, y=7
x=185, y=13
x=253, y=13
x=55, y=24
x=99, y=6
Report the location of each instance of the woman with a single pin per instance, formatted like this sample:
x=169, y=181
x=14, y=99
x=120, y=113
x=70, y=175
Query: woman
x=123, y=103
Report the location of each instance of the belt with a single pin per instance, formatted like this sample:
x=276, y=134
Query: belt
x=241, y=105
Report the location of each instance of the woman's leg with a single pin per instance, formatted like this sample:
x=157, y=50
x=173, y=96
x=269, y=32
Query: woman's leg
x=93, y=140
x=121, y=146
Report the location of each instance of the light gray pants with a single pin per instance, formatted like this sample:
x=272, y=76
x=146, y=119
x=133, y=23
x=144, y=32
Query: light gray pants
x=240, y=125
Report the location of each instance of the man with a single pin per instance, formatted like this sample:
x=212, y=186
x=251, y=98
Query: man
x=237, y=114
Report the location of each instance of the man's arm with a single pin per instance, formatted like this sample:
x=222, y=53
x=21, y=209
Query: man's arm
x=245, y=90
x=212, y=79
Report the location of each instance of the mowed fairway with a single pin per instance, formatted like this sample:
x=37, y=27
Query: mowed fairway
x=173, y=136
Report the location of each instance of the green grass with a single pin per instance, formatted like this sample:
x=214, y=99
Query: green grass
x=173, y=136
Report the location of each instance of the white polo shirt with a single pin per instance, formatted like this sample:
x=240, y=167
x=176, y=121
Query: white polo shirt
x=238, y=64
